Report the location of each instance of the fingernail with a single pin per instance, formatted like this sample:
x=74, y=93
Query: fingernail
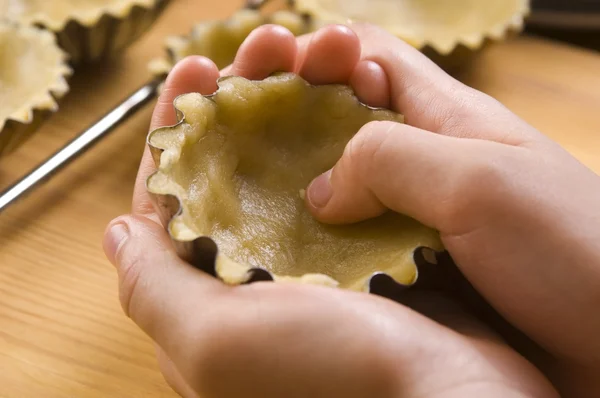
x=116, y=235
x=320, y=190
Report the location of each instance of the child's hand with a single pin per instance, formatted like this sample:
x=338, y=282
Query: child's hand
x=519, y=215
x=270, y=340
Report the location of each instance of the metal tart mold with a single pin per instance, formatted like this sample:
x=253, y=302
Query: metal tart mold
x=229, y=183
x=88, y=30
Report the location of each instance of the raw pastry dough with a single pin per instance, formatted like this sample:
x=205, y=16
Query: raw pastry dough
x=88, y=30
x=220, y=40
x=237, y=162
x=440, y=24
x=33, y=73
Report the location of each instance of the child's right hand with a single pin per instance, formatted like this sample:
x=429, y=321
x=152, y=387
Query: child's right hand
x=519, y=215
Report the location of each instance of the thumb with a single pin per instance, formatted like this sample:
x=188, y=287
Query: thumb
x=388, y=165
x=158, y=290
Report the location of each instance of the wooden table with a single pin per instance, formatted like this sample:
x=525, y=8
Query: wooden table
x=62, y=331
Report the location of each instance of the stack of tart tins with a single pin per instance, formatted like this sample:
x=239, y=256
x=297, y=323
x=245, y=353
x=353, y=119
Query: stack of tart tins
x=449, y=32
x=41, y=41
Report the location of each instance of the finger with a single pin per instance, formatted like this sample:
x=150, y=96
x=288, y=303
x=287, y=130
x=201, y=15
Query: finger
x=158, y=290
x=368, y=79
x=268, y=49
x=395, y=166
x=172, y=375
x=192, y=74
x=331, y=56
x=302, y=43
x=431, y=99
x=371, y=84
x=273, y=45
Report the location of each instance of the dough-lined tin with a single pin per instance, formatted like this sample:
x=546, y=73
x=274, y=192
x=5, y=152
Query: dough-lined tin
x=228, y=182
x=88, y=30
x=32, y=80
x=428, y=25
x=450, y=33
x=219, y=40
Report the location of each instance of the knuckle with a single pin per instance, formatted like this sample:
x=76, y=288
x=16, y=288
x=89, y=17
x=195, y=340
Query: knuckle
x=467, y=104
x=474, y=193
x=450, y=120
x=142, y=204
x=364, y=149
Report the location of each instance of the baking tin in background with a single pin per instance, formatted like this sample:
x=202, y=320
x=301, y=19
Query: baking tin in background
x=565, y=14
x=90, y=43
x=576, y=22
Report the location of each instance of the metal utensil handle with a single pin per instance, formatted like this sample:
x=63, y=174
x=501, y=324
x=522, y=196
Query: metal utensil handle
x=81, y=143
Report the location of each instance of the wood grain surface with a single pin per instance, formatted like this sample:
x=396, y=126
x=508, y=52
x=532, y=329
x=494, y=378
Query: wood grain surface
x=62, y=331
